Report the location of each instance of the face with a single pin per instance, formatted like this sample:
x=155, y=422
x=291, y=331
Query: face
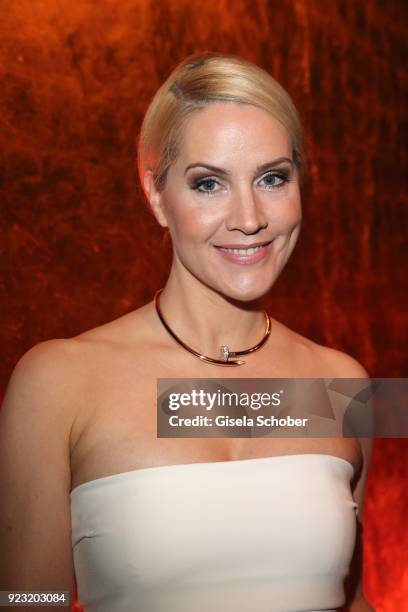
x=231, y=200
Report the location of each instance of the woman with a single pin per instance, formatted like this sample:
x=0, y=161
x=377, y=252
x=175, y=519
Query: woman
x=195, y=524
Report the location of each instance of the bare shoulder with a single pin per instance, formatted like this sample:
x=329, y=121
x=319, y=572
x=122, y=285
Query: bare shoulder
x=46, y=386
x=326, y=362
x=49, y=368
x=342, y=364
x=61, y=372
x=318, y=360
x=63, y=368
x=127, y=329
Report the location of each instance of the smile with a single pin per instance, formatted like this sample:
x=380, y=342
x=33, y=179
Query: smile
x=248, y=251
x=245, y=255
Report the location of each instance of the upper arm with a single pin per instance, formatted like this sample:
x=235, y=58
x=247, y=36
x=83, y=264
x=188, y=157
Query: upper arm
x=354, y=585
x=346, y=366
x=35, y=475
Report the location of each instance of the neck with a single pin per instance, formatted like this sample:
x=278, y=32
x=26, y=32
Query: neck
x=205, y=320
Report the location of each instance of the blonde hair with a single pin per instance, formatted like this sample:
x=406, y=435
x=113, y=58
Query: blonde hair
x=203, y=79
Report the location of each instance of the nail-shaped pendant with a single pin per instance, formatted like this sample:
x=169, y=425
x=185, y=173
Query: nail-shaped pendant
x=224, y=353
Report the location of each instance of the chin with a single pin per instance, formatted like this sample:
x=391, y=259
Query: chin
x=247, y=295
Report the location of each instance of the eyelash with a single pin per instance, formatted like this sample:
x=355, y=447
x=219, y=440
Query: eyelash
x=283, y=176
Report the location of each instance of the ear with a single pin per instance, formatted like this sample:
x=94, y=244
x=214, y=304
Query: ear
x=154, y=197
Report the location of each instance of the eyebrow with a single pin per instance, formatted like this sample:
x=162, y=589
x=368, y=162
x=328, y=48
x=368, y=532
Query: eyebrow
x=217, y=170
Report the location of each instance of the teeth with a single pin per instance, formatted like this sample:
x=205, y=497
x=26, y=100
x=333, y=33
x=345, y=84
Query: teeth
x=250, y=251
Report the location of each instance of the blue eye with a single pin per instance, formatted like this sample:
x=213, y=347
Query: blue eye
x=272, y=180
x=206, y=185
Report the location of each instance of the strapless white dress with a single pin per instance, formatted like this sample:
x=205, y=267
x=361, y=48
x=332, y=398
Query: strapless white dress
x=270, y=534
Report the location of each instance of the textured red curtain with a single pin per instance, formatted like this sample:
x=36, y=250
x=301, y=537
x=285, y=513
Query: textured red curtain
x=76, y=79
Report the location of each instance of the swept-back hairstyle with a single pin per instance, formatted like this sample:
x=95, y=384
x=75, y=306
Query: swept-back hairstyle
x=201, y=80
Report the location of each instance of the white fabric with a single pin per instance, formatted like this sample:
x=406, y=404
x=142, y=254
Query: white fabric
x=270, y=534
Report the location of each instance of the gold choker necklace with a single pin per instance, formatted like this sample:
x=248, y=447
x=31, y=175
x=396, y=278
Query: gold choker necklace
x=225, y=352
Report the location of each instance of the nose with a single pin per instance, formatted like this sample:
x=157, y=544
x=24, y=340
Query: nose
x=246, y=212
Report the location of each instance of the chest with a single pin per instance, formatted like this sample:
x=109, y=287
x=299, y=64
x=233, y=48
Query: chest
x=117, y=430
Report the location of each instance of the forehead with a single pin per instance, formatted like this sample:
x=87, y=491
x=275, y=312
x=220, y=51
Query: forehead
x=224, y=130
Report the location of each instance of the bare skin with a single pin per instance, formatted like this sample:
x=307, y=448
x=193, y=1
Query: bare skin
x=123, y=415
x=84, y=408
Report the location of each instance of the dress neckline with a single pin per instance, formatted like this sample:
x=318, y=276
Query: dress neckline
x=200, y=465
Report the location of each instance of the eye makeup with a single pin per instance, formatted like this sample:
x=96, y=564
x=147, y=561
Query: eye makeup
x=280, y=177
x=204, y=183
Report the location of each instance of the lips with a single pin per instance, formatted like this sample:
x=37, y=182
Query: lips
x=244, y=254
x=243, y=246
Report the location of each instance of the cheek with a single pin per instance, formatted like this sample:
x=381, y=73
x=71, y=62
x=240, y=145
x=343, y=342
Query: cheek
x=291, y=212
x=195, y=223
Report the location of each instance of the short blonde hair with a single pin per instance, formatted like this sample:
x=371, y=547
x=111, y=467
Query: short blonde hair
x=200, y=80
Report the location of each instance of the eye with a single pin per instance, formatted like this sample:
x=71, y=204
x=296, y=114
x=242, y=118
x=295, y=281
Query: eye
x=272, y=180
x=205, y=185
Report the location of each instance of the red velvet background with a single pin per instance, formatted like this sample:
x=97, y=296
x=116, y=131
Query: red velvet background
x=79, y=248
